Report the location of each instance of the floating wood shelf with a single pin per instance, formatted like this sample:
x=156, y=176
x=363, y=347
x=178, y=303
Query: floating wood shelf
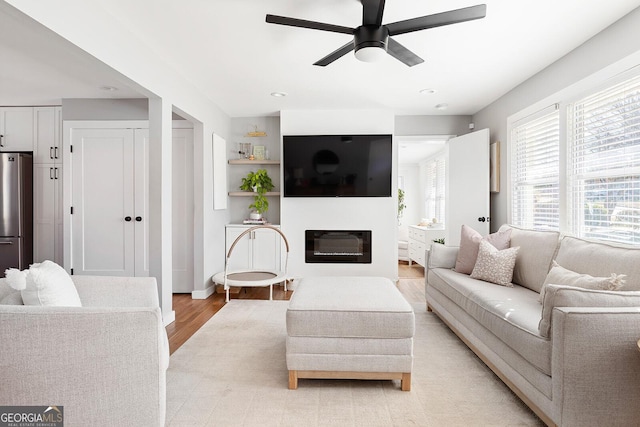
x=253, y=162
x=251, y=193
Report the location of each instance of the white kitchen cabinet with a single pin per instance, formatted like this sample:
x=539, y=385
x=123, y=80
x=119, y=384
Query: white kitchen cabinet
x=47, y=213
x=420, y=239
x=16, y=128
x=47, y=140
x=260, y=250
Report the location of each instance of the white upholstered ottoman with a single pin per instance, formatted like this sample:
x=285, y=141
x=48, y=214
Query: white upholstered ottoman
x=349, y=328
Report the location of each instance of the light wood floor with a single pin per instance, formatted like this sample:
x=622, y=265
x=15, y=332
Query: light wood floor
x=191, y=314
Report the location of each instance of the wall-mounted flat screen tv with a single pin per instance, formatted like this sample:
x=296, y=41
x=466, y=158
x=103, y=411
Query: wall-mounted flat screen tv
x=337, y=165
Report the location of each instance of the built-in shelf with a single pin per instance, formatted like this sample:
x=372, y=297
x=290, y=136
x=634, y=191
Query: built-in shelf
x=251, y=193
x=253, y=162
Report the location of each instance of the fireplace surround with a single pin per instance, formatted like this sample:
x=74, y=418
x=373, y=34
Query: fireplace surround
x=338, y=246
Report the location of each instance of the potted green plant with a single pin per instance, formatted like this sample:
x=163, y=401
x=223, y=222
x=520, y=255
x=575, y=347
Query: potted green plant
x=401, y=204
x=260, y=183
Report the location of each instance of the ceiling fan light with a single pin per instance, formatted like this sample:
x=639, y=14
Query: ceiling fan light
x=370, y=54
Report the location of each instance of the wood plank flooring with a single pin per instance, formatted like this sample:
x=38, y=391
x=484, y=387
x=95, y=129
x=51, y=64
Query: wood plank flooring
x=191, y=314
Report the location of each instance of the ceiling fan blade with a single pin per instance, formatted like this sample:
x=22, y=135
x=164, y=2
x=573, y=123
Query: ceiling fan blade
x=402, y=54
x=335, y=55
x=372, y=12
x=301, y=23
x=438, y=20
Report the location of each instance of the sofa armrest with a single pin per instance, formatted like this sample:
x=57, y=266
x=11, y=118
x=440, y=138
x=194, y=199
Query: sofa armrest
x=112, y=291
x=596, y=365
x=99, y=363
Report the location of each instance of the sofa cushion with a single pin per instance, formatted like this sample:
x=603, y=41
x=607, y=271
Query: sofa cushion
x=441, y=256
x=537, y=249
x=512, y=314
x=493, y=265
x=569, y=296
x=600, y=259
x=559, y=275
x=470, y=244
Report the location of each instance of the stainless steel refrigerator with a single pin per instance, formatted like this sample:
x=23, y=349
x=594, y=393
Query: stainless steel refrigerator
x=16, y=211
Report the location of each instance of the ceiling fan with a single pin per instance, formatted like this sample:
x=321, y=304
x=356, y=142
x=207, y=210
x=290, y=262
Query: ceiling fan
x=372, y=39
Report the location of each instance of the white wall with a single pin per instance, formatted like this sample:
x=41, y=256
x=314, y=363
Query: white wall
x=109, y=42
x=432, y=125
x=612, y=51
x=377, y=214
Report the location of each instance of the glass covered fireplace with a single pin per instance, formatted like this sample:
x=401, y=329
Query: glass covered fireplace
x=338, y=246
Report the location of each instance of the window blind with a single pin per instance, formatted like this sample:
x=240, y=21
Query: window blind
x=535, y=171
x=435, y=189
x=604, y=164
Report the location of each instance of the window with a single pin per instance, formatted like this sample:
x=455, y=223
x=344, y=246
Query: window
x=535, y=171
x=434, y=189
x=604, y=164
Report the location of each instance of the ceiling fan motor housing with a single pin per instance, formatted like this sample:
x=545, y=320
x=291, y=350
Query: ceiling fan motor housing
x=370, y=36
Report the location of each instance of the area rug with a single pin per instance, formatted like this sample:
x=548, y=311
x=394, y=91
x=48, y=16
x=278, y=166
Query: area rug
x=232, y=372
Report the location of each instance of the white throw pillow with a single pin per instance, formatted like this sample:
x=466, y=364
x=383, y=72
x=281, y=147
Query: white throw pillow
x=493, y=265
x=559, y=275
x=48, y=284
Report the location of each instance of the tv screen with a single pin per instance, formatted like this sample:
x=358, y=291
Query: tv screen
x=337, y=165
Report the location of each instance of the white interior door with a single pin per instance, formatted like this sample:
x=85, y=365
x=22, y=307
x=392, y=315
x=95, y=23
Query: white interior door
x=467, y=185
x=141, y=202
x=182, y=211
x=103, y=202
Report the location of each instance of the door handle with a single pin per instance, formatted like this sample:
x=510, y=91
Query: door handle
x=138, y=218
x=127, y=218
x=6, y=243
x=482, y=219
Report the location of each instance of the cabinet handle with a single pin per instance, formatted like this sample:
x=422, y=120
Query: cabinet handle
x=127, y=218
x=6, y=243
x=56, y=174
x=50, y=173
x=51, y=152
x=138, y=218
x=1, y=144
x=55, y=152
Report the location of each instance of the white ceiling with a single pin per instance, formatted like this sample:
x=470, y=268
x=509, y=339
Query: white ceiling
x=236, y=59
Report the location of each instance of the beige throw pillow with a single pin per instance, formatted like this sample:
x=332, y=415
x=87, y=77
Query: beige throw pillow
x=493, y=265
x=559, y=275
x=470, y=243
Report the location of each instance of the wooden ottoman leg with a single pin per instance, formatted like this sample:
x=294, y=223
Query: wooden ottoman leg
x=405, y=383
x=293, y=380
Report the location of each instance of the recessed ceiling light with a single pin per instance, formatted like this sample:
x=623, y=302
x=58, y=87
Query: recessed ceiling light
x=278, y=94
x=427, y=91
x=109, y=88
x=442, y=106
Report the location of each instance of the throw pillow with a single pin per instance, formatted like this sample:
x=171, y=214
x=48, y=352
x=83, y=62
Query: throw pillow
x=493, y=265
x=48, y=284
x=559, y=275
x=569, y=296
x=470, y=243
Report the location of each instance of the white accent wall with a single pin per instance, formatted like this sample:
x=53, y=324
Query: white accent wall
x=377, y=214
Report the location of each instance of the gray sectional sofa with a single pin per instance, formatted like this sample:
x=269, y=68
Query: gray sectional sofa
x=575, y=364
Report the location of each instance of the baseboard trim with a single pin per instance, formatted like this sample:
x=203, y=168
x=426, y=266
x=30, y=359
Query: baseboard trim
x=168, y=318
x=203, y=294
